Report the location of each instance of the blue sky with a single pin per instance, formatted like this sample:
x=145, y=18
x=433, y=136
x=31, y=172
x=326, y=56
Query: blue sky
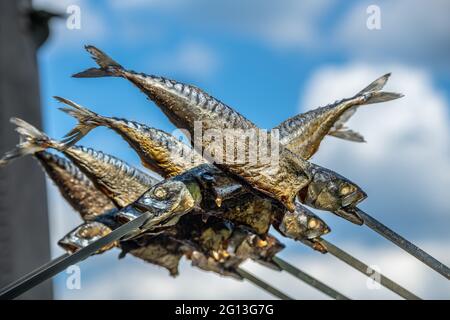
x=271, y=60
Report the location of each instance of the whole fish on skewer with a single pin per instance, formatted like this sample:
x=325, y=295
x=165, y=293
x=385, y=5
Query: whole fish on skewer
x=187, y=105
x=175, y=99
x=85, y=198
x=157, y=148
x=90, y=232
x=103, y=170
x=74, y=186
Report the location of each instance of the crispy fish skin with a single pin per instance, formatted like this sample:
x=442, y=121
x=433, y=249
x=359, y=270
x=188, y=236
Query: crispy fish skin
x=159, y=151
x=153, y=252
x=185, y=105
x=303, y=133
x=294, y=171
x=105, y=171
x=160, y=250
x=74, y=186
x=157, y=148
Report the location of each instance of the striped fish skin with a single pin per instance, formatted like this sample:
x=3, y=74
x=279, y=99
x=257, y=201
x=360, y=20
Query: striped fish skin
x=74, y=186
x=175, y=99
x=185, y=105
x=118, y=180
x=303, y=133
x=184, y=112
x=168, y=156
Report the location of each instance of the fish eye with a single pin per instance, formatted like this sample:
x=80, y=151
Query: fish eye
x=160, y=193
x=313, y=223
x=345, y=190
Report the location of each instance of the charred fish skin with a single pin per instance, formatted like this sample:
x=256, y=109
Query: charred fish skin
x=303, y=133
x=105, y=171
x=250, y=210
x=74, y=186
x=160, y=250
x=282, y=184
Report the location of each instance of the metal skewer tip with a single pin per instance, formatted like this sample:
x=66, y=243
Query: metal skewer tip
x=263, y=285
x=57, y=265
x=364, y=268
x=404, y=244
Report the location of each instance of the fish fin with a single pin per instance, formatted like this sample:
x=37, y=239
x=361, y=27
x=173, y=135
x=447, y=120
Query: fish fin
x=31, y=141
x=373, y=94
x=87, y=120
x=347, y=134
x=376, y=85
x=108, y=67
x=122, y=254
x=377, y=97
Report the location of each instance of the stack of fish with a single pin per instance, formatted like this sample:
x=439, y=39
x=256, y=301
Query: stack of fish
x=216, y=214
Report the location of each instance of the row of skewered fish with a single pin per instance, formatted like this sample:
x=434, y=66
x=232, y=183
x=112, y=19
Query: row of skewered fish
x=216, y=214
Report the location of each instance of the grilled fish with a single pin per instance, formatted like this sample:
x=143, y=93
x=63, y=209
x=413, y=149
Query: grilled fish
x=167, y=155
x=105, y=171
x=303, y=133
x=89, y=232
x=159, y=249
x=185, y=105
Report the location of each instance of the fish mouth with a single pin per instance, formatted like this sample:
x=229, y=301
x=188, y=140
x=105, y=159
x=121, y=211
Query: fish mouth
x=68, y=246
x=316, y=245
x=350, y=214
x=353, y=198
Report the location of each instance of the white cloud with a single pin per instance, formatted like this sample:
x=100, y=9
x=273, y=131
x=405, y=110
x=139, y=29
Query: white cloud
x=405, y=163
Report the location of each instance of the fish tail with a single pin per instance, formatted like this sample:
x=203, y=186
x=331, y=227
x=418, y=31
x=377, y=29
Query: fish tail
x=108, y=67
x=373, y=94
x=87, y=120
x=32, y=140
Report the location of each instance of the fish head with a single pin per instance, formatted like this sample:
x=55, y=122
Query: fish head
x=167, y=201
x=332, y=192
x=303, y=224
x=266, y=248
x=84, y=235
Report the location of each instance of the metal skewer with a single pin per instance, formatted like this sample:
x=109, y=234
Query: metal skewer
x=263, y=285
x=303, y=276
x=404, y=244
x=59, y=264
x=363, y=268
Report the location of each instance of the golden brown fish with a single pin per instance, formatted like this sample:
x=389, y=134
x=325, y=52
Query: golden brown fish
x=105, y=171
x=303, y=133
x=186, y=106
x=169, y=156
x=74, y=186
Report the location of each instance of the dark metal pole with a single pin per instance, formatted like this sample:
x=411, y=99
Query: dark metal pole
x=54, y=267
x=303, y=276
x=263, y=285
x=24, y=230
x=404, y=244
x=363, y=268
